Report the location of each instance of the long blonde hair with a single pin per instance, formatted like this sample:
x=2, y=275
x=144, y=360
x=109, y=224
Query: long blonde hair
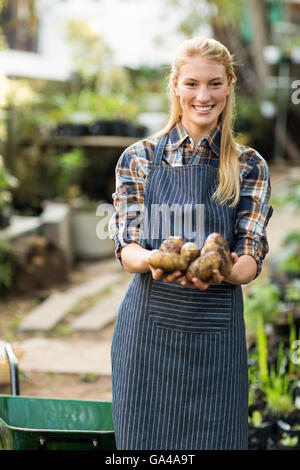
x=229, y=167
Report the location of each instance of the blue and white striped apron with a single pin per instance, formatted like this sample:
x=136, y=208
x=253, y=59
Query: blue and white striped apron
x=179, y=358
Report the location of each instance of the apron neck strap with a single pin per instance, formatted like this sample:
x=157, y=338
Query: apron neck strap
x=159, y=150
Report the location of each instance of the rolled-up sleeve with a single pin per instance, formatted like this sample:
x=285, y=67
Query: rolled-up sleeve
x=128, y=201
x=253, y=210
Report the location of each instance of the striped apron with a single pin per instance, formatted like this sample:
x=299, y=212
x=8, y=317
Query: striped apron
x=178, y=355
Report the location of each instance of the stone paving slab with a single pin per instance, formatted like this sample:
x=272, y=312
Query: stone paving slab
x=46, y=315
x=63, y=356
x=103, y=312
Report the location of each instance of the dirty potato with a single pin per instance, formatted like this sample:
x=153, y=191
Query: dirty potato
x=190, y=251
x=217, y=239
x=169, y=262
x=203, y=267
x=210, y=245
x=172, y=244
x=216, y=243
x=226, y=263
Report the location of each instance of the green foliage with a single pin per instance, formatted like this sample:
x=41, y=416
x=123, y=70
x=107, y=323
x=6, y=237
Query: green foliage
x=89, y=51
x=273, y=381
x=256, y=418
x=66, y=169
x=288, y=196
x=288, y=440
x=262, y=346
x=288, y=260
x=88, y=106
x=263, y=298
x=292, y=292
x=89, y=377
x=5, y=266
x=3, y=43
x=7, y=182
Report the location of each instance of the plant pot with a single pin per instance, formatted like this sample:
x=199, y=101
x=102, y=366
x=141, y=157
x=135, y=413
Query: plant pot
x=72, y=130
x=284, y=429
x=99, y=127
x=281, y=329
x=85, y=243
x=118, y=128
x=5, y=216
x=259, y=438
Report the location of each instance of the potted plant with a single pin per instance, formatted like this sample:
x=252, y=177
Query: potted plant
x=275, y=380
x=272, y=386
x=89, y=228
x=260, y=432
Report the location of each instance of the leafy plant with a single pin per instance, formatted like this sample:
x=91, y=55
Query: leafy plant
x=263, y=298
x=66, y=169
x=274, y=382
x=288, y=440
x=87, y=106
x=288, y=260
x=292, y=292
x=256, y=418
x=289, y=196
x=5, y=265
x=292, y=352
x=7, y=183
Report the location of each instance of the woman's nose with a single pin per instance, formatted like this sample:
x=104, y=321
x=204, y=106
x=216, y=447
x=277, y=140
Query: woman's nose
x=203, y=93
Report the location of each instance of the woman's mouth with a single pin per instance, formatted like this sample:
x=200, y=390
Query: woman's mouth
x=203, y=109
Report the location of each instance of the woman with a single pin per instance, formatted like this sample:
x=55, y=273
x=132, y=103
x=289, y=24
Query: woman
x=179, y=359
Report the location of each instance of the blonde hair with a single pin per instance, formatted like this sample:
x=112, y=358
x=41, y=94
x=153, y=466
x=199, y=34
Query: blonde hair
x=229, y=168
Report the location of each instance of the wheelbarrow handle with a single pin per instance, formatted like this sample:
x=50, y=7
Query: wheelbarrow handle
x=14, y=370
x=95, y=443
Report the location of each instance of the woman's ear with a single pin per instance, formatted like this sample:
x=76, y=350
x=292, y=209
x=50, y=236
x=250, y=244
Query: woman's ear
x=229, y=85
x=175, y=87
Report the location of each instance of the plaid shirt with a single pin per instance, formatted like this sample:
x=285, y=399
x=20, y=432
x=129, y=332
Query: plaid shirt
x=253, y=211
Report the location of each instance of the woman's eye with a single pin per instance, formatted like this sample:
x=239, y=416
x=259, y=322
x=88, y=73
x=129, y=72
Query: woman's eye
x=191, y=84
x=214, y=84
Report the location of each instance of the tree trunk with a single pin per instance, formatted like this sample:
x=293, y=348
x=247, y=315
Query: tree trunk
x=228, y=35
x=292, y=150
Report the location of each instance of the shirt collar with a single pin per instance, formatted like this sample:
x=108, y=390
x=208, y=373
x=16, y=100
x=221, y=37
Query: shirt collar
x=178, y=134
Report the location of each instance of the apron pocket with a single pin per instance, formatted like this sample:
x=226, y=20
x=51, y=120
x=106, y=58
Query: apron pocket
x=180, y=308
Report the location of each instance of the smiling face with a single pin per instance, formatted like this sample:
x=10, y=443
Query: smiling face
x=202, y=88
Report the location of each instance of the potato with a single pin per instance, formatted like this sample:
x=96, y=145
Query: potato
x=218, y=239
x=203, y=267
x=216, y=243
x=172, y=245
x=210, y=246
x=190, y=251
x=168, y=261
x=226, y=263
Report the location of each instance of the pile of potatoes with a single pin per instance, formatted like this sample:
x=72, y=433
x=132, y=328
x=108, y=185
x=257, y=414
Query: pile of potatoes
x=176, y=254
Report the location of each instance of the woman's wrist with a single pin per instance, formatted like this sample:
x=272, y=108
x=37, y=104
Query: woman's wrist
x=135, y=258
x=243, y=271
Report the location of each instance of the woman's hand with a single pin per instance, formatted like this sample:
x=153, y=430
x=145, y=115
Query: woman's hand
x=161, y=275
x=198, y=284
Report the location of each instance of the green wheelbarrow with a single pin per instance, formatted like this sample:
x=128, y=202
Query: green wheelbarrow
x=28, y=423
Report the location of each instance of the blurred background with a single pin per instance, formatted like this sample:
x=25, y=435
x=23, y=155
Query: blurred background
x=81, y=80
